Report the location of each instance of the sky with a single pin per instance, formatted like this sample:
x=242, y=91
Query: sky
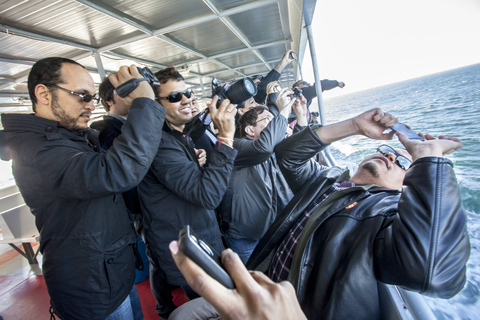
x=370, y=43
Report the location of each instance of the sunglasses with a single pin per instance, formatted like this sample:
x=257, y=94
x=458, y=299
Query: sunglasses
x=85, y=97
x=400, y=160
x=177, y=96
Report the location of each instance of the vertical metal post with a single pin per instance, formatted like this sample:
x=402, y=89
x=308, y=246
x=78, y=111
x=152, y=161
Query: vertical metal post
x=318, y=87
x=100, y=68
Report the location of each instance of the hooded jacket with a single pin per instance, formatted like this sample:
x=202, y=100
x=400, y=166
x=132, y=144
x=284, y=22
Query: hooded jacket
x=416, y=238
x=74, y=192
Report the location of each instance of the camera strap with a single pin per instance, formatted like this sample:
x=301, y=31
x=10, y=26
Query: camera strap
x=125, y=88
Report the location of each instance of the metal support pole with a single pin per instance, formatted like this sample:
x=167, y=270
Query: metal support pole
x=318, y=87
x=100, y=68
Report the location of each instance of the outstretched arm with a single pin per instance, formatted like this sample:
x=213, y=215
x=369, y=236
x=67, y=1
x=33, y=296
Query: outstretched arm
x=255, y=296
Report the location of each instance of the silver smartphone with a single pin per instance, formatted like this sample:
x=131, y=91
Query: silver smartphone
x=203, y=255
x=412, y=135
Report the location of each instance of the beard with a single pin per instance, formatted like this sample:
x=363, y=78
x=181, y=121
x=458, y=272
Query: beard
x=372, y=169
x=65, y=120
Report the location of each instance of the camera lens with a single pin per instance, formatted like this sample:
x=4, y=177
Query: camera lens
x=241, y=90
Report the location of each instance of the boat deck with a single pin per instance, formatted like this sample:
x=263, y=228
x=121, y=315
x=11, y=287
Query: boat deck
x=23, y=294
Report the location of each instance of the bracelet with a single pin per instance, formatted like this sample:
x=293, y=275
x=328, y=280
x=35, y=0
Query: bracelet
x=222, y=138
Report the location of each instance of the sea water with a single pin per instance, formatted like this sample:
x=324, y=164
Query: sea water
x=446, y=103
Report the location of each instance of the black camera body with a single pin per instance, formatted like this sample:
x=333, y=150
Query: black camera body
x=125, y=88
x=236, y=92
x=296, y=93
x=148, y=74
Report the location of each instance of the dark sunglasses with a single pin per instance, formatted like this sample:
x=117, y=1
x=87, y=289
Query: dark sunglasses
x=85, y=97
x=400, y=160
x=177, y=96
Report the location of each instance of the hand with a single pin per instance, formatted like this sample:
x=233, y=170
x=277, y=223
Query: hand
x=255, y=296
x=284, y=102
x=201, y=156
x=273, y=87
x=430, y=147
x=300, y=109
x=341, y=84
x=286, y=56
x=370, y=124
x=144, y=90
x=223, y=119
x=373, y=122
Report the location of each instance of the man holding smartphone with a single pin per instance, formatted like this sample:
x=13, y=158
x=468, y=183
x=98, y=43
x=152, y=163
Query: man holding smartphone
x=399, y=220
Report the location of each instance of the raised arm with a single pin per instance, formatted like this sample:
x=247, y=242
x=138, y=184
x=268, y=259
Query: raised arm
x=425, y=246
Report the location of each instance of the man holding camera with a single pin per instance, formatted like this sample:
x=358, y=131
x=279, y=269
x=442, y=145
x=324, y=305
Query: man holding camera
x=86, y=238
x=177, y=191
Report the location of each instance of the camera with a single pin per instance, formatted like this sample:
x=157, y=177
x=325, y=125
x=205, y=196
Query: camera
x=296, y=93
x=293, y=55
x=148, y=74
x=236, y=92
x=125, y=88
x=314, y=114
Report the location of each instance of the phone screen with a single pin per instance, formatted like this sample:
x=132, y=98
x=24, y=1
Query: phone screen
x=412, y=135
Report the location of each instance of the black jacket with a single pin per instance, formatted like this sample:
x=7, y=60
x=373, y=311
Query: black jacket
x=85, y=234
x=112, y=128
x=176, y=192
x=416, y=238
x=257, y=191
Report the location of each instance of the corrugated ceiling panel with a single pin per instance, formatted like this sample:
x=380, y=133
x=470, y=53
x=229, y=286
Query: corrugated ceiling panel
x=240, y=59
x=228, y=4
x=31, y=49
x=209, y=38
x=160, y=13
x=248, y=23
x=155, y=49
x=205, y=67
x=274, y=52
x=9, y=70
x=69, y=20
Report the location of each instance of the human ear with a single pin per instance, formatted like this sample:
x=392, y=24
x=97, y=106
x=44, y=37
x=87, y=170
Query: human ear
x=249, y=131
x=43, y=94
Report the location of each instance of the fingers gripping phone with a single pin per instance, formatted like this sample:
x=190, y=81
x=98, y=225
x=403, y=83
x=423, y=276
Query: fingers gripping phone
x=412, y=135
x=201, y=253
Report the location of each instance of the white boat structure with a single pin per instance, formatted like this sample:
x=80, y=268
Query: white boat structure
x=225, y=39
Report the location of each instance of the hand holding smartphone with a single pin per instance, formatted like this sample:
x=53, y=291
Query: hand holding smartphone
x=201, y=253
x=412, y=135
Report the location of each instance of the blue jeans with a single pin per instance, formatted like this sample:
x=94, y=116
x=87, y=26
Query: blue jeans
x=130, y=309
x=243, y=247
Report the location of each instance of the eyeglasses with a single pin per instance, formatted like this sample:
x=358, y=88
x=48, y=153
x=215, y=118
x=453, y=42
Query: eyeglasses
x=400, y=160
x=85, y=97
x=177, y=96
x=266, y=118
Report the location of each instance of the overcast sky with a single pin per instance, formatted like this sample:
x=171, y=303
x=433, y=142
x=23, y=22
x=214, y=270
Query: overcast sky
x=369, y=43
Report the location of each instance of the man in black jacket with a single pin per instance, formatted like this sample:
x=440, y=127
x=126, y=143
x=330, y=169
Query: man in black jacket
x=398, y=220
x=85, y=234
x=177, y=191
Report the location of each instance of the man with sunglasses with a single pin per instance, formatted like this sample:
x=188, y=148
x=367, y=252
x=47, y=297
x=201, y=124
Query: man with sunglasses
x=74, y=191
x=398, y=220
x=177, y=191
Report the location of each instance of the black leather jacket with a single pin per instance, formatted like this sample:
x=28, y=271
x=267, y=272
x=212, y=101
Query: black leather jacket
x=416, y=238
x=74, y=192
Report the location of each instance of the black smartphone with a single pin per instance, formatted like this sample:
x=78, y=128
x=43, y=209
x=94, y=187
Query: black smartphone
x=201, y=253
x=412, y=135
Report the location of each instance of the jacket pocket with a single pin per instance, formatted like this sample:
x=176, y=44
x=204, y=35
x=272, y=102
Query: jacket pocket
x=120, y=269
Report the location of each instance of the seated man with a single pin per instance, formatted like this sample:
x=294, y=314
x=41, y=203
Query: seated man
x=340, y=235
x=257, y=191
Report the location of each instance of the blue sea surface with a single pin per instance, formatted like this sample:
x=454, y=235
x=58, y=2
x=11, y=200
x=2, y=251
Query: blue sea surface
x=446, y=103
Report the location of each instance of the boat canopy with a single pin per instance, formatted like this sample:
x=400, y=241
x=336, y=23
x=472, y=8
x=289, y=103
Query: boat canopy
x=226, y=39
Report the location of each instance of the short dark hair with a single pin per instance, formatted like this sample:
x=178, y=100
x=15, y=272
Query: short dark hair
x=46, y=71
x=105, y=92
x=249, y=118
x=166, y=74
x=299, y=82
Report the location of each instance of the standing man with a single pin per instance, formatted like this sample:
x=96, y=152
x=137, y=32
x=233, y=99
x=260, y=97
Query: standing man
x=177, y=191
x=86, y=237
